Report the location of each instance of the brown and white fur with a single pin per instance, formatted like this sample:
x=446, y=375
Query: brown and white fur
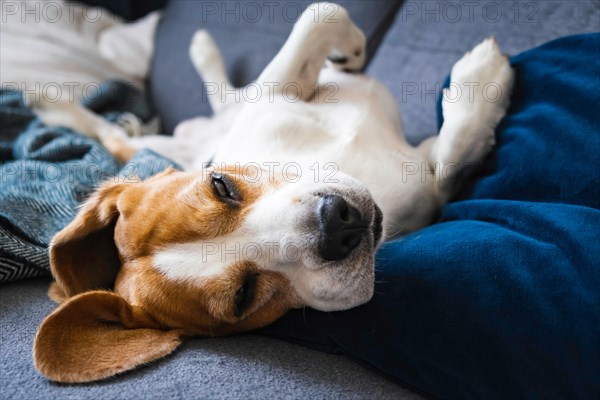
x=171, y=248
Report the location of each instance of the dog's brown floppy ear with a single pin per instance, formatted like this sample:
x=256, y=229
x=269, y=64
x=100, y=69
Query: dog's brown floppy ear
x=83, y=256
x=96, y=335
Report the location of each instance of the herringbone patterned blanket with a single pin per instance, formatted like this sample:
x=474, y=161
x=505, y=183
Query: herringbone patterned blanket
x=45, y=173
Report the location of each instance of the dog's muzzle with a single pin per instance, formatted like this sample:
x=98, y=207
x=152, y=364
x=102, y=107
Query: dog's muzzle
x=341, y=227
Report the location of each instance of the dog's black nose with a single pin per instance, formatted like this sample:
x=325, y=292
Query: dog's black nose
x=341, y=227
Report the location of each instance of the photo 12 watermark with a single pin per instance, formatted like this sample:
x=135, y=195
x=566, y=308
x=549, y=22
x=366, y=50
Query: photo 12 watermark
x=250, y=12
x=471, y=92
x=265, y=12
x=72, y=92
x=273, y=171
x=491, y=12
x=289, y=92
x=53, y=12
x=250, y=172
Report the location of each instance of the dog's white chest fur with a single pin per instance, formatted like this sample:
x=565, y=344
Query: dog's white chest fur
x=350, y=125
x=350, y=121
x=350, y=112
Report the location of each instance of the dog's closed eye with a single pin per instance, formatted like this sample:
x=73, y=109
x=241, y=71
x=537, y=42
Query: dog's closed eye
x=225, y=188
x=245, y=294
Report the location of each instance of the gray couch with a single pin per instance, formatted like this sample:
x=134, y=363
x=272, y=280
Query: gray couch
x=415, y=53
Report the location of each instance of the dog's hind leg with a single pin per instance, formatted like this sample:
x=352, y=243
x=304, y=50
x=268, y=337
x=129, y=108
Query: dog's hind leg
x=112, y=136
x=477, y=99
x=73, y=115
x=208, y=61
x=324, y=31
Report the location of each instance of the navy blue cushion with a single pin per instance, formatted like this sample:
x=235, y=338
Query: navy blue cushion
x=501, y=298
x=249, y=34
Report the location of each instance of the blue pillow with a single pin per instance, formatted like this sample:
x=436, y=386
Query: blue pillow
x=501, y=298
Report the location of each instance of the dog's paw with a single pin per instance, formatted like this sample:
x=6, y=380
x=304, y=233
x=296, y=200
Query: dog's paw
x=350, y=53
x=203, y=50
x=132, y=126
x=349, y=62
x=481, y=83
x=473, y=105
x=332, y=25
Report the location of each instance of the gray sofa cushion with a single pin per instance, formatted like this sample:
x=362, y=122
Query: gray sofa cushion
x=240, y=367
x=248, y=40
x=428, y=37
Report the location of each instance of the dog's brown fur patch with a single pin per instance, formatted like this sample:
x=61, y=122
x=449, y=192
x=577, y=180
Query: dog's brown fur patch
x=95, y=334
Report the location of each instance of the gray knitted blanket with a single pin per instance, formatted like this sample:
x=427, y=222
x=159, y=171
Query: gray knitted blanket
x=45, y=173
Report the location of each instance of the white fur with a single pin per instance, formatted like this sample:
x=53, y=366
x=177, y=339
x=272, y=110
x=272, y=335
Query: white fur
x=181, y=261
x=278, y=234
x=70, y=47
x=360, y=133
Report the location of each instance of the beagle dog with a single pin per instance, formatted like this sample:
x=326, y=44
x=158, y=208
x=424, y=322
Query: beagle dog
x=307, y=179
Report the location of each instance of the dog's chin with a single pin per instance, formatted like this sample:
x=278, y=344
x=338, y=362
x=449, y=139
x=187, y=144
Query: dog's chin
x=338, y=293
x=347, y=283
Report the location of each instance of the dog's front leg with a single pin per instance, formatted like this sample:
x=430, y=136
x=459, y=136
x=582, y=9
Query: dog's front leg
x=477, y=99
x=209, y=64
x=323, y=31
